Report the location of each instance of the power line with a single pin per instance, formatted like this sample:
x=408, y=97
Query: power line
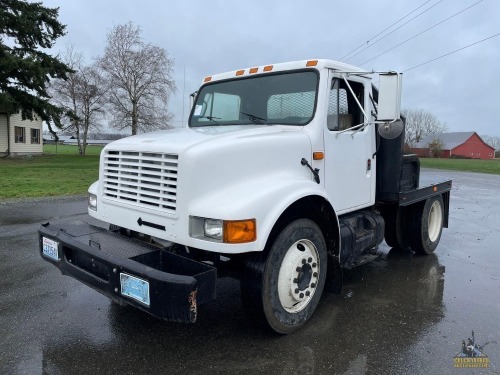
x=450, y=53
x=397, y=28
x=420, y=33
x=387, y=28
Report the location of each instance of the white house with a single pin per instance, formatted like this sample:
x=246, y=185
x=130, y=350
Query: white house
x=20, y=137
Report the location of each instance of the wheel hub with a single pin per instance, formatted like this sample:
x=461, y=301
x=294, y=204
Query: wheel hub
x=298, y=276
x=304, y=276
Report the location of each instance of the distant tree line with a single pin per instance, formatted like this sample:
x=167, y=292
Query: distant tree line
x=91, y=136
x=106, y=136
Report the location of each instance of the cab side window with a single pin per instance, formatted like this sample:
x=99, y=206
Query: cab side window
x=343, y=111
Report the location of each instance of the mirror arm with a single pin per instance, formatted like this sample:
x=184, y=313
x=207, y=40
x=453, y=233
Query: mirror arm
x=362, y=126
x=349, y=129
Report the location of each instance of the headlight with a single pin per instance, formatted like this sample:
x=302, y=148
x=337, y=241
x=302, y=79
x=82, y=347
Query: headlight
x=93, y=202
x=213, y=229
x=226, y=231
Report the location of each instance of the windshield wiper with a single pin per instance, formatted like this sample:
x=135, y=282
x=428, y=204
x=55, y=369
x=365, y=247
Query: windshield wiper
x=211, y=118
x=255, y=119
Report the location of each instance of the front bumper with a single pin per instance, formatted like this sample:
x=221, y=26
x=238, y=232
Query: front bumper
x=97, y=257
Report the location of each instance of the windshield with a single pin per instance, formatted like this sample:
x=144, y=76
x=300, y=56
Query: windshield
x=283, y=98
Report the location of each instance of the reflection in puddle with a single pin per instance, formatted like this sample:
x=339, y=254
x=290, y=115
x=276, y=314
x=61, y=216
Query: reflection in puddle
x=384, y=308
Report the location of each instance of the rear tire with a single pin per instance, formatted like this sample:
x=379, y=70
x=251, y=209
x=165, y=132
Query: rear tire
x=286, y=285
x=427, y=225
x=396, y=233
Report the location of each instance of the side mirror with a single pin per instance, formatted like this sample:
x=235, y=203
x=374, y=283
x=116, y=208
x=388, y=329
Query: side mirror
x=389, y=96
x=391, y=130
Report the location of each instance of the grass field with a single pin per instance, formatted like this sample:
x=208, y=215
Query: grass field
x=51, y=174
x=73, y=150
x=467, y=165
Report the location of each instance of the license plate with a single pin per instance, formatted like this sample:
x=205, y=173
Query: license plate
x=135, y=288
x=50, y=248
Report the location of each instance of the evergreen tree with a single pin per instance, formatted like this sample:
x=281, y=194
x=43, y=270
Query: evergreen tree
x=26, y=29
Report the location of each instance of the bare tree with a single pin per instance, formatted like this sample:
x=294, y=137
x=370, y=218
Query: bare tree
x=420, y=123
x=82, y=97
x=140, y=76
x=492, y=141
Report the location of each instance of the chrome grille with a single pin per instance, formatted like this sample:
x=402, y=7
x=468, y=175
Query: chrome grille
x=144, y=179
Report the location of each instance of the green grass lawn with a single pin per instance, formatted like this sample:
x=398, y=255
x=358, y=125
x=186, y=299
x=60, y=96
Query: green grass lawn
x=51, y=174
x=73, y=150
x=468, y=165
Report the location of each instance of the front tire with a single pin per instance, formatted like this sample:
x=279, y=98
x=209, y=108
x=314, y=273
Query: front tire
x=427, y=225
x=288, y=283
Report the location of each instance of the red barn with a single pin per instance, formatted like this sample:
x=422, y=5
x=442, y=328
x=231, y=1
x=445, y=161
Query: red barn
x=466, y=144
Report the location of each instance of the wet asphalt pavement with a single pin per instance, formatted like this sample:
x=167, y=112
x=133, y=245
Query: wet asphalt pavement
x=400, y=314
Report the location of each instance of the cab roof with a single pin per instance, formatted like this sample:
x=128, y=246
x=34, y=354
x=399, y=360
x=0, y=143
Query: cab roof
x=317, y=64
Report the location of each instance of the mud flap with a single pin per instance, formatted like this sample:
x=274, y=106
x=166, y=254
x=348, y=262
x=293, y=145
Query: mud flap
x=334, y=277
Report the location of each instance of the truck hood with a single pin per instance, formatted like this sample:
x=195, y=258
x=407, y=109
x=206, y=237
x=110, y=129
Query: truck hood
x=178, y=140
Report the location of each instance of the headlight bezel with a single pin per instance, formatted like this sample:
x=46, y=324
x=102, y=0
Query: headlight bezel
x=92, y=202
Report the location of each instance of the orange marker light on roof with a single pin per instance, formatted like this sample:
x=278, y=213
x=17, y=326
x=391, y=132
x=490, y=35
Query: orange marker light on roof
x=268, y=68
x=207, y=79
x=240, y=72
x=254, y=70
x=318, y=155
x=312, y=63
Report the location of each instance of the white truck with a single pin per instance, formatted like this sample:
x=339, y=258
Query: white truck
x=284, y=175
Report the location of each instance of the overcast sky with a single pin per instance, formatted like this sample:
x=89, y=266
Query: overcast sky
x=208, y=37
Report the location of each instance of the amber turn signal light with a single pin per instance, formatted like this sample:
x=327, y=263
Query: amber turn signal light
x=240, y=231
x=318, y=155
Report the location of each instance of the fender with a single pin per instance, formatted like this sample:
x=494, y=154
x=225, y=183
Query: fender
x=264, y=199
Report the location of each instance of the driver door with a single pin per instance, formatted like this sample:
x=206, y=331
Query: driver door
x=349, y=168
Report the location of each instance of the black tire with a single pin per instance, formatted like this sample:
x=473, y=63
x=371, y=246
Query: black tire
x=390, y=232
x=427, y=225
x=303, y=246
x=395, y=233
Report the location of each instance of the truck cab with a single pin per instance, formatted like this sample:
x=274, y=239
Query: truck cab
x=284, y=175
